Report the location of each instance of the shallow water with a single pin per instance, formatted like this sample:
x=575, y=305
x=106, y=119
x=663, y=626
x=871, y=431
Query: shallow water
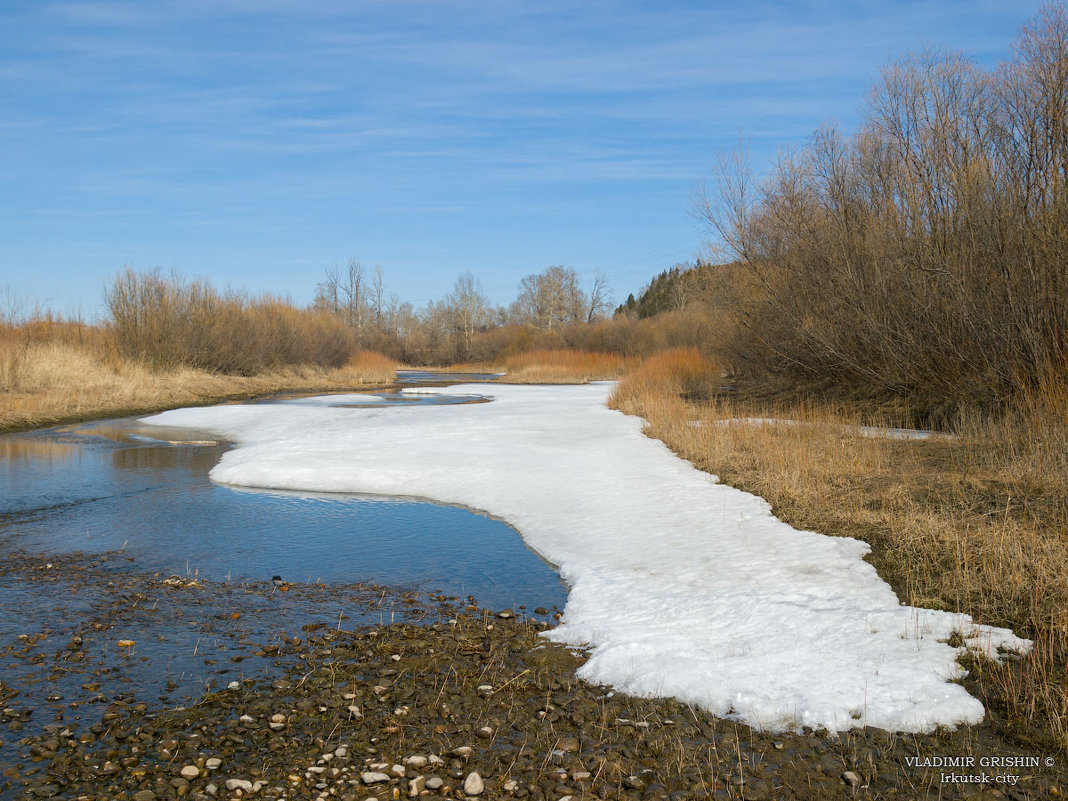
x=424, y=377
x=120, y=506
x=118, y=484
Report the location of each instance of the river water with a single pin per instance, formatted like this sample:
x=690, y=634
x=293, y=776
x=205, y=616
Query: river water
x=112, y=532
x=120, y=485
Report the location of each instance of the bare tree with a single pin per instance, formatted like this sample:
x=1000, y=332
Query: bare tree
x=727, y=210
x=550, y=299
x=328, y=292
x=352, y=295
x=600, y=298
x=378, y=291
x=468, y=311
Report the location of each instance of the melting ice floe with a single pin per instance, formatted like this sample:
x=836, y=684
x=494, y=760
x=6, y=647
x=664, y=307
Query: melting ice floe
x=680, y=585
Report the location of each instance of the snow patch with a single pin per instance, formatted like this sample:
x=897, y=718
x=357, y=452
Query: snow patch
x=871, y=432
x=680, y=586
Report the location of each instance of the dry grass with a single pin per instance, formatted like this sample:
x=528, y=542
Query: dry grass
x=48, y=382
x=672, y=375
x=977, y=523
x=562, y=366
x=551, y=366
x=368, y=366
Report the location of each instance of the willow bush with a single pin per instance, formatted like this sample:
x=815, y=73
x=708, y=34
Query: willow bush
x=167, y=322
x=924, y=256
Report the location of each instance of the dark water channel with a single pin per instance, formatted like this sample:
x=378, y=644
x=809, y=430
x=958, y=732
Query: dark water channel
x=112, y=531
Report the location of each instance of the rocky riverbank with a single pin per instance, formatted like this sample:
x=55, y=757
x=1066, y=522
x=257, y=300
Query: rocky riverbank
x=399, y=696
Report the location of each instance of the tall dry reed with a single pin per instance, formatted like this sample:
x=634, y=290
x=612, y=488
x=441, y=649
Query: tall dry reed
x=562, y=366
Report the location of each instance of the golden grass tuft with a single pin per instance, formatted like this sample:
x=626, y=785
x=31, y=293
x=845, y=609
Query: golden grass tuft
x=670, y=377
x=372, y=366
x=976, y=523
x=562, y=366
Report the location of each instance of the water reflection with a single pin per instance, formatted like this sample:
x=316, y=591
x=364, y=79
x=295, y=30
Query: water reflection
x=37, y=449
x=118, y=484
x=424, y=377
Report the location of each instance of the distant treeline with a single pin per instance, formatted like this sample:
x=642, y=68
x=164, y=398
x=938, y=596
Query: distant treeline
x=166, y=321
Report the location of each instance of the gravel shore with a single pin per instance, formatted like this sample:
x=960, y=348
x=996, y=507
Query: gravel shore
x=397, y=695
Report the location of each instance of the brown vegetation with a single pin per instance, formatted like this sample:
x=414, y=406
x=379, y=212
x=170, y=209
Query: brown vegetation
x=974, y=523
x=170, y=322
x=54, y=371
x=564, y=366
x=923, y=257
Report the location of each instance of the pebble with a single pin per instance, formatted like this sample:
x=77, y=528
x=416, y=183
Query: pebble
x=373, y=777
x=147, y=750
x=416, y=786
x=473, y=784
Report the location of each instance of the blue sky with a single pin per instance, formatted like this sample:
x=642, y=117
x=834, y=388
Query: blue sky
x=258, y=142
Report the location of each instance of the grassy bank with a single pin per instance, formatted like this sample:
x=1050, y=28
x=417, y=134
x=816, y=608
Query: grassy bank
x=975, y=522
x=55, y=381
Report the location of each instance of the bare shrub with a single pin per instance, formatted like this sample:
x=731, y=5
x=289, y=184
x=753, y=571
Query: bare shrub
x=167, y=322
x=922, y=257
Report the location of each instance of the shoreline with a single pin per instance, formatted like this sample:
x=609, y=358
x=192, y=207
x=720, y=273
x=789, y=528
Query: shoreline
x=385, y=710
x=114, y=411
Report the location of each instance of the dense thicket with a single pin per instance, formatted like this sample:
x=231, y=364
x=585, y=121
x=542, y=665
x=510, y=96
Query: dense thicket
x=924, y=256
x=168, y=322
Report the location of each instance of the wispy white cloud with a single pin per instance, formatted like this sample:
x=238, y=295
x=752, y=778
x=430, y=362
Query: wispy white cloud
x=356, y=121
